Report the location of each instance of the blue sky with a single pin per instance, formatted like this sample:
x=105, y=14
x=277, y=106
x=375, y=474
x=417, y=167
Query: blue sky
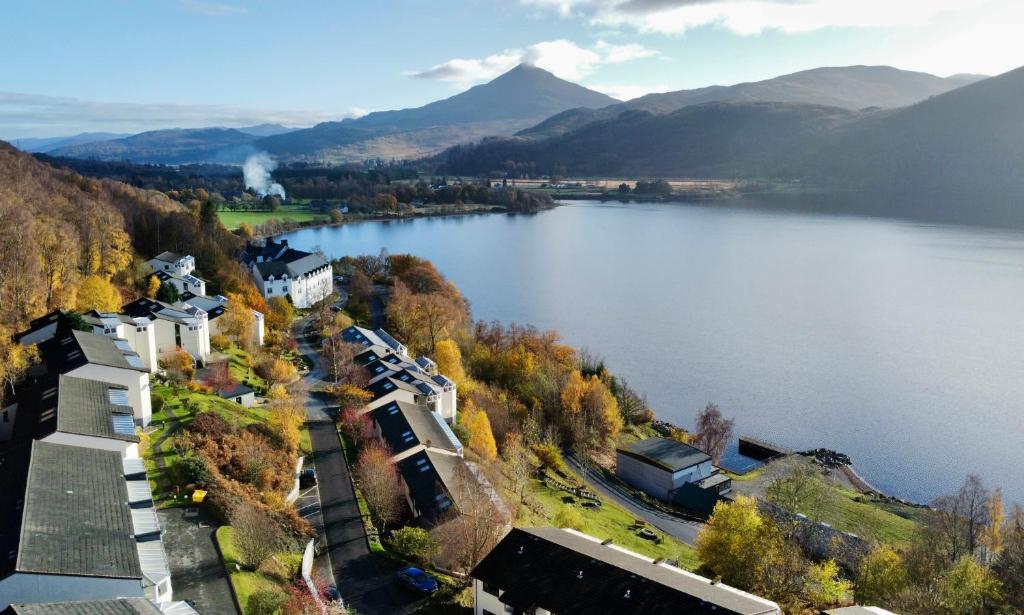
x=128, y=65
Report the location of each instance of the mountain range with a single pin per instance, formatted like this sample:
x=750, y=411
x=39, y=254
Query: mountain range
x=961, y=151
x=526, y=101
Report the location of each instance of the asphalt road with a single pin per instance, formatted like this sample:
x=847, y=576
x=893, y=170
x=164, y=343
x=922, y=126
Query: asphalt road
x=366, y=582
x=681, y=529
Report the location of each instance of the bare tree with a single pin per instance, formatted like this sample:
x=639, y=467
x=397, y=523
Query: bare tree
x=959, y=518
x=472, y=531
x=517, y=467
x=714, y=432
x=379, y=482
x=339, y=357
x=255, y=535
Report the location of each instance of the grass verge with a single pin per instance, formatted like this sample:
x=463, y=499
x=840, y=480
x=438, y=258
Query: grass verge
x=275, y=575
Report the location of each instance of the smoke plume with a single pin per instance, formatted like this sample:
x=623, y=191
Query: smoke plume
x=256, y=171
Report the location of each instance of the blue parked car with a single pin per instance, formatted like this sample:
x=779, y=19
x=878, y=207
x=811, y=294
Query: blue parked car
x=417, y=580
x=330, y=593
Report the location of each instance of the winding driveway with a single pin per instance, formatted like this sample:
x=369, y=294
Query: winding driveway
x=679, y=528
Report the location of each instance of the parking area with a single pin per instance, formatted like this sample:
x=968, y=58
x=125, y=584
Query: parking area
x=197, y=574
x=308, y=507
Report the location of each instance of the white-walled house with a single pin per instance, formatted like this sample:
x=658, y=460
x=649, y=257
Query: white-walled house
x=79, y=524
x=215, y=307
x=545, y=570
x=106, y=606
x=661, y=466
x=281, y=271
x=184, y=284
x=92, y=356
x=73, y=411
x=138, y=331
x=183, y=327
x=173, y=264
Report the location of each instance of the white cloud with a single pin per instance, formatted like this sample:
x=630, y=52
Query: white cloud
x=561, y=57
x=616, y=54
x=31, y=115
x=747, y=17
x=622, y=91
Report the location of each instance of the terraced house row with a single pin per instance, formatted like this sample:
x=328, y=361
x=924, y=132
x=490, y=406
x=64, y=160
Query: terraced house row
x=79, y=521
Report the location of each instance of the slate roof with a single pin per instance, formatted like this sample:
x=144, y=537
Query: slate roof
x=384, y=386
x=167, y=257
x=280, y=260
x=404, y=426
x=437, y=482
x=235, y=389
x=76, y=520
x=665, y=453
x=213, y=306
x=75, y=406
x=368, y=337
x=73, y=349
x=568, y=573
x=159, y=309
x=117, y=606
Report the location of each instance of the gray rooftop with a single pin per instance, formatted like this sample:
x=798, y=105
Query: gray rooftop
x=93, y=408
x=102, y=350
x=76, y=520
x=117, y=606
x=567, y=572
x=665, y=453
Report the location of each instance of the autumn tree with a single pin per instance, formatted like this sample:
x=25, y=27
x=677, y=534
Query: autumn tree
x=476, y=527
x=281, y=315
x=1009, y=565
x=17, y=359
x=97, y=293
x=424, y=320
x=59, y=252
x=824, y=587
x=379, y=482
x=178, y=364
x=968, y=588
x=990, y=538
x=277, y=371
x=255, y=535
x=713, y=432
x=881, y=576
x=730, y=544
x=385, y=202
x=517, y=467
x=336, y=216
x=449, y=362
x=800, y=491
x=481, y=438
x=238, y=322
x=286, y=419
x=152, y=287
x=218, y=376
x=340, y=359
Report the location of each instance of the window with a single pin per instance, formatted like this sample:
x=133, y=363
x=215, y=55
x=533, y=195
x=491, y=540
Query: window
x=492, y=590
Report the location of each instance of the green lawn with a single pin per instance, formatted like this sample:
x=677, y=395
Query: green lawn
x=240, y=370
x=232, y=219
x=608, y=521
x=180, y=407
x=841, y=509
x=246, y=582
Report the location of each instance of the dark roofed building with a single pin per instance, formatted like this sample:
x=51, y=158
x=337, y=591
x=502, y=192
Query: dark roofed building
x=76, y=411
x=566, y=572
x=75, y=528
x=116, y=606
x=659, y=466
x=406, y=428
x=282, y=271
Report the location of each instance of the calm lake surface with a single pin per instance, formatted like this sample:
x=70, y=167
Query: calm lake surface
x=900, y=344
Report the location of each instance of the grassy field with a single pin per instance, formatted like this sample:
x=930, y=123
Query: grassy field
x=608, y=521
x=274, y=576
x=850, y=512
x=232, y=219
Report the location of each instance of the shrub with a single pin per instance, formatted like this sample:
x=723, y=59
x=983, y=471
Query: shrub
x=210, y=424
x=414, y=544
x=157, y=403
x=195, y=469
x=220, y=342
x=277, y=391
x=277, y=371
x=550, y=457
x=266, y=602
x=569, y=517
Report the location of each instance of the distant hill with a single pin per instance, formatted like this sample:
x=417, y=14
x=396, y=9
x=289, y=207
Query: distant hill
x=718, y=139
x=848, y=87
x=48, y=144
x=956, y=156
x=173, y=146
x=515, y=100
x=266, y=130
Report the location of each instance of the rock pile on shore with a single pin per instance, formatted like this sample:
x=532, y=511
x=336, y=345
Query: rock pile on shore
x=828, y=458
